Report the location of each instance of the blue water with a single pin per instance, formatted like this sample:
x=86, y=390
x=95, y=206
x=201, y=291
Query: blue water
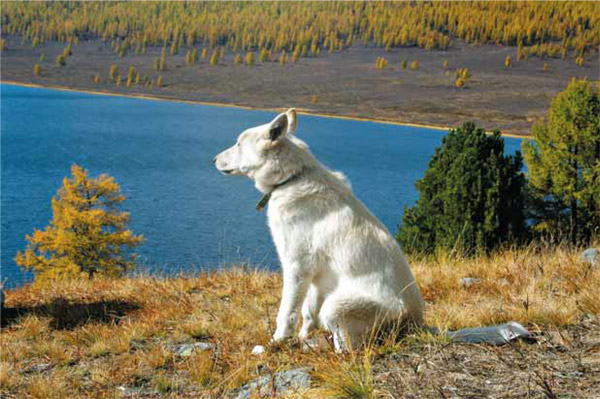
x=160, y=153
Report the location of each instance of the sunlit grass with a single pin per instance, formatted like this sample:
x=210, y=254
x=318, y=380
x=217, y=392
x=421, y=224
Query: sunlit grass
x=93, y=337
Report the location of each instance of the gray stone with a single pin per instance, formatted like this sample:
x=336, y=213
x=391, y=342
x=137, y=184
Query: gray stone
x=136, y=392
x=590, y=256
x=286, y=382
x=493, y=335
x=185, y=350
x=469, y=281
x=39, y=368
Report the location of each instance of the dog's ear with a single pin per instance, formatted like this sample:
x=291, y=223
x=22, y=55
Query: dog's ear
x=278, y=128
x=282, y=125
x=292, y=120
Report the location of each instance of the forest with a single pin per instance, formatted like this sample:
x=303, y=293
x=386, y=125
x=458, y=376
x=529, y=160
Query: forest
x=537, y=28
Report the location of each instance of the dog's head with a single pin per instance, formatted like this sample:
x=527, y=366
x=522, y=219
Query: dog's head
x=257, y=152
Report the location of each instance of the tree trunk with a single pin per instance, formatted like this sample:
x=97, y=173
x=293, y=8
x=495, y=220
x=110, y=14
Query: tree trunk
x=573, y=221
x=573, y=204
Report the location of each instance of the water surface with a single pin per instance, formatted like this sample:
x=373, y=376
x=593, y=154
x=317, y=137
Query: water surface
x=160, y=153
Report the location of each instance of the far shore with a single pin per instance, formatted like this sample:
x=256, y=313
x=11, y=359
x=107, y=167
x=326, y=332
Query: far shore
x=344, y=84
x=301, y=111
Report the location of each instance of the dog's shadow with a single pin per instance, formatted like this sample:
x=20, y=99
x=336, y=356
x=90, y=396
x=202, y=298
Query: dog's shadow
x=66, y=315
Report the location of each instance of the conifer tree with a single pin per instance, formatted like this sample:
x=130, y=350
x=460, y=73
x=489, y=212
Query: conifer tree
x=162, y=65
x=507, y=61
x=87, y=234
x=250, y=58
x=414, y=65
x=67, y=51
x=60, y=61
x=564, y=165
x=471, y=197
x=159, y=82
x=37, y=70
x=42, y=57
x=113, y=73
x=238, y=59
x=214, y=58
x=282, y=58
x=131, y=73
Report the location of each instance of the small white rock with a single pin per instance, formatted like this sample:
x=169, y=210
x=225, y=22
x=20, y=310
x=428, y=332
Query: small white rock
x=469, y=281
x=258, y=350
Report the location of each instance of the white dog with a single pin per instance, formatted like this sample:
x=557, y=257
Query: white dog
x=341, y=266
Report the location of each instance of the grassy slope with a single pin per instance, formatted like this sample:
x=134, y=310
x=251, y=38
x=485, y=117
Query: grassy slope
x=88, y=338
x=344, y=83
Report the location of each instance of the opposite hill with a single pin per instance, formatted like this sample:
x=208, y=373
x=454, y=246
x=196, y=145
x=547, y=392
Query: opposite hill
x=497, y=64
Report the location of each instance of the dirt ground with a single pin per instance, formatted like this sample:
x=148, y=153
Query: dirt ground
x=559, y=363
x=343, y=83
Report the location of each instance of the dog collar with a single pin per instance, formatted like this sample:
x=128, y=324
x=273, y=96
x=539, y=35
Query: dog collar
x=265, y=198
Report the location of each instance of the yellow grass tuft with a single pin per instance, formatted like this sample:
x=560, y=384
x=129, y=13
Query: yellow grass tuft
x=346, y=378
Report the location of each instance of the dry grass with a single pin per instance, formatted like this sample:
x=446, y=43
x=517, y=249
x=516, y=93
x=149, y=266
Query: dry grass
x=536, y=286
x=89, y=338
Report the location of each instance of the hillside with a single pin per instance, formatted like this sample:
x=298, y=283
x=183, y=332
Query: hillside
x=128, y=337
x=321, y=57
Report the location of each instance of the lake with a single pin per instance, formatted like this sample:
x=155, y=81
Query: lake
x=161, y=152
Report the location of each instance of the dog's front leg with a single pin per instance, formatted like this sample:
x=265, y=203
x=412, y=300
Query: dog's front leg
x=295, y=285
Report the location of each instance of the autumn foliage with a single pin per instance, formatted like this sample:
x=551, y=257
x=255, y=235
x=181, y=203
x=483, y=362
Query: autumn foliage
x=87, y=233
x=547, y=27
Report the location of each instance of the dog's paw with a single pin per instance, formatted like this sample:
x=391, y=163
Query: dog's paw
x=281, y=335
x=277, y=339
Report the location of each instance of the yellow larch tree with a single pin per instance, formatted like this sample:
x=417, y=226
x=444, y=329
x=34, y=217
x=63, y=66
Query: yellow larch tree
x=87, y=235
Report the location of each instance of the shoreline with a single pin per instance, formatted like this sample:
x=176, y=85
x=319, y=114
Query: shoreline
x=301, y=111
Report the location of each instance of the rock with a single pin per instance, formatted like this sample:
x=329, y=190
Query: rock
x=136, y=392
x=494, y=335
x=469, y=281
x=590, y=256
x=185, y=350
x=2, y=298
x=39, y=368
x=258, y=350
x=286, y=382
x=313, y=344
